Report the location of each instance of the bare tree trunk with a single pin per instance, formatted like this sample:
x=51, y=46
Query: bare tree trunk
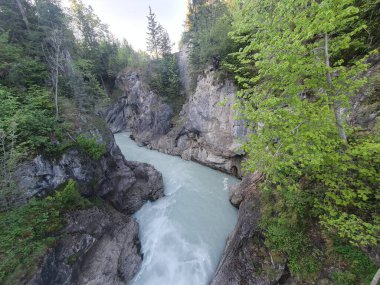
x=23, y=14
x=56, y=83
x=336, y=106
x=56, y=93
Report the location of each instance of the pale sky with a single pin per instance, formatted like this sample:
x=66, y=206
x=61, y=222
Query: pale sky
x=127, y=18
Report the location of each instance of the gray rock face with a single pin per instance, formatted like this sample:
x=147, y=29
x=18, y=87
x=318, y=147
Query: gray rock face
x=365, y=106
x=246, y=260
x=139, y=109
x=127, y=185
x=208, y=133
x=100, y=247
x=205, y=130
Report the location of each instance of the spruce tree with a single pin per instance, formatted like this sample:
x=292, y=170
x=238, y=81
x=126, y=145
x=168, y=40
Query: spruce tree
x=164, y=43
x=153, y=40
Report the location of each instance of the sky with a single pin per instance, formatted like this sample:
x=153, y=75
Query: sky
x=127, y=18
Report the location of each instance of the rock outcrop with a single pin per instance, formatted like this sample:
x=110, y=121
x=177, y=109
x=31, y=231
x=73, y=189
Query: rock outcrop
x=139, y=110
x=204, y=131
x=207, y=131
x=101, y=246
x=98, y=245
x=246, y=260
x=126, y=185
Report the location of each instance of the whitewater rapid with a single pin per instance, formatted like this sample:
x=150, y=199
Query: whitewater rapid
x=183, y=234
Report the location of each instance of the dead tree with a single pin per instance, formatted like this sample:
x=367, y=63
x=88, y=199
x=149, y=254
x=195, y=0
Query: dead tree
x=53, y=48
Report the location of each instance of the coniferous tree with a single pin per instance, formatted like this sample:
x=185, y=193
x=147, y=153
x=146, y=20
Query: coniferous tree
x=153, y=40
x=164, y=43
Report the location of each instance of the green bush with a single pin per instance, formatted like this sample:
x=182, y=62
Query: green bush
x=90, y=146
x=32, y=110
x=294, y=242
x=27, y=232
x=209, y=25
x=351, y=182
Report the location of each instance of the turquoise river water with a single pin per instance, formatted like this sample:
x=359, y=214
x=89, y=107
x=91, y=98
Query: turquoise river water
x=183, y=234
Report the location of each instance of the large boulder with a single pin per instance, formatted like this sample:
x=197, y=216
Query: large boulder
x=147, y=186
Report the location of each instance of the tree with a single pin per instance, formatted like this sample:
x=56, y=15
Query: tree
x=295, y=100
x=55, y=56
x=164, y=43
x=153, y=39
x=22, y=12
x=209, y=23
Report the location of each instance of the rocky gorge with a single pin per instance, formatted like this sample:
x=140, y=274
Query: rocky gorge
x=205, y=130
x=250, y=156
x=101, y=244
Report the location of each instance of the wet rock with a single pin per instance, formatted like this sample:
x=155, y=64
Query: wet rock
x=99, y=246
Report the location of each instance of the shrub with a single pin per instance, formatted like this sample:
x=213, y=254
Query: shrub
x=90, y=146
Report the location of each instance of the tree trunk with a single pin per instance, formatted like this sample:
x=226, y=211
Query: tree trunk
x=56, y=85
x=23, y=14
x=336, y=105
x=104, y=85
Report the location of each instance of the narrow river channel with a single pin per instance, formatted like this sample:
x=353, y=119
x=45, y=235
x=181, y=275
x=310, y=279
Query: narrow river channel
x=183, y=234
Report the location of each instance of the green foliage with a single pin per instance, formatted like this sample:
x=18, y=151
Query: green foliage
x=28, y=231
x=360, y=269
x=208, y=28
x=296, y=73
x=32, y=113
x=17, y=68
x=10, y=156
x=164, y=77
x=295, y=244
x=286, y=217
x=352, y=192
x=344, y=278
x=162, y=71
x=90, y=146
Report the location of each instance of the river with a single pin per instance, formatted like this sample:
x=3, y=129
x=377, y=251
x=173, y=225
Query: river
x=183, y=234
